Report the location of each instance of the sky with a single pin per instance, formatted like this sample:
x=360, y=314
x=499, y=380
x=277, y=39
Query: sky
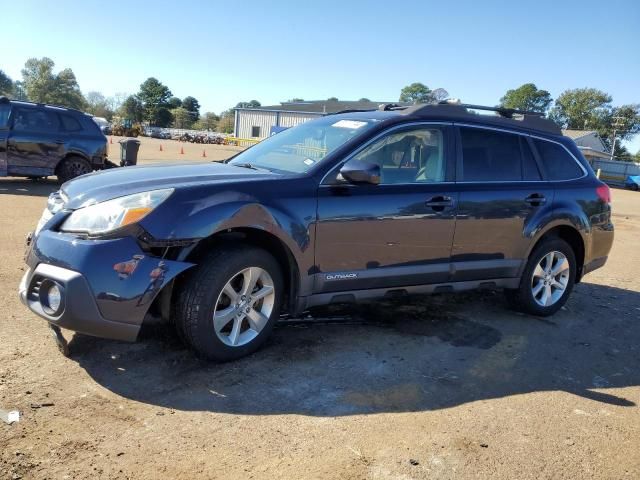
x=226, y=52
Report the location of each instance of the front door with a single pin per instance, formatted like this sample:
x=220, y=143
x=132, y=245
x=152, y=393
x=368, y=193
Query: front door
x=36, y=142
x=501, y=194
x=397, y=233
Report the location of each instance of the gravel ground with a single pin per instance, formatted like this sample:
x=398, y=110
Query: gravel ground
x=446, y=386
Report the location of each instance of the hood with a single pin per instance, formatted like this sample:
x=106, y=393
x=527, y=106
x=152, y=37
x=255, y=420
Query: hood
x=118, y=182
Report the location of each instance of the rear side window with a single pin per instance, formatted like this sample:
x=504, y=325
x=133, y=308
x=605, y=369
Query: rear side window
x=70, y=124
x=490, y=156
x=35, y=120
x=558, y=163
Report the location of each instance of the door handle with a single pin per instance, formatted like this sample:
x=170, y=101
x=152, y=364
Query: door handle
x=439, y=203
x=536, y=199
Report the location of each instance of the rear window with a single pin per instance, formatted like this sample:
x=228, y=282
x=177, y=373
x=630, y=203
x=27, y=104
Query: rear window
x=70, y=124
x=490, y=156
x=558, y=163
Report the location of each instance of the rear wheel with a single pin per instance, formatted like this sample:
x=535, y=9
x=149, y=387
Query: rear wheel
x=547, y=280
x=227, y=307
x=72, y=167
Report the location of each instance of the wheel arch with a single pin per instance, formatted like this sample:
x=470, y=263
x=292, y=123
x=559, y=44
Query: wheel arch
x=70, y=155
x=571, y=235
x=252, y=236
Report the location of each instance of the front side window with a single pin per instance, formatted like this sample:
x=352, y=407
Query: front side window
x=558, y=163
x=34, y=120
x=298, y=149
x=490, y=156
x=409, y=156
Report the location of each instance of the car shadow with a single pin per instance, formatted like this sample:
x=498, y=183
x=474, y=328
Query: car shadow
x=392, y=356
x=31, y=188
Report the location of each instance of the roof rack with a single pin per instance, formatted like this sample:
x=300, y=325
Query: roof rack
x=26, y=102
x=506, y=116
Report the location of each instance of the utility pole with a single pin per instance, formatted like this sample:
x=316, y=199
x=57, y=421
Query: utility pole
x=616, y=125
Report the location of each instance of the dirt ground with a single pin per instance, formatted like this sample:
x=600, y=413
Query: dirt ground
x=451, y=387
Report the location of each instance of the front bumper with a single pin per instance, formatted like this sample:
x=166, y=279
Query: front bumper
x=107, y=285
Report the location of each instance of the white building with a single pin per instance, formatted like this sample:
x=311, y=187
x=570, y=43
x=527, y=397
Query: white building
x=259, y=123
x=589, y=143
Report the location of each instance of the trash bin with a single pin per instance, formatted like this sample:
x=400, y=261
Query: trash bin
x=129, y=151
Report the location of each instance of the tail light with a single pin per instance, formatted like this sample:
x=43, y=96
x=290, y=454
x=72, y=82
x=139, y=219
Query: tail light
x=604, y=193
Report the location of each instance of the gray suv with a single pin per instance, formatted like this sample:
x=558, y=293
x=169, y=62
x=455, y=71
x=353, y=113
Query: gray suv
x=38, y=140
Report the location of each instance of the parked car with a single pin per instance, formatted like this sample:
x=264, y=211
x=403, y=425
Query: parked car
x=39, y=140
x=344, y=208
x=632, y=182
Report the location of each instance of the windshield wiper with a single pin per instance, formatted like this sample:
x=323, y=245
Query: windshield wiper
x=248, y=165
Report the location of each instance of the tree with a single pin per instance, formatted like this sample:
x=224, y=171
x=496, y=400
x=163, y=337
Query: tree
x=332, y=99
x=226, y=123
x=582, y=108
x=295, y=100
x=155, y=100
x=6, y=84
x=132, y=109
x=98, y=105
x=182, y=118
x=208, y=121
x=591, y=109
x=191, y=105
x=527, y=97
x=364, y=99
x=416, y=93
x=43, y=86
x=251, y=104
x=174, y=102
x=438, y=95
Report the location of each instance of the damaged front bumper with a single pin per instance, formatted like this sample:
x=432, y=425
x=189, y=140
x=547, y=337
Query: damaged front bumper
x=103, y=288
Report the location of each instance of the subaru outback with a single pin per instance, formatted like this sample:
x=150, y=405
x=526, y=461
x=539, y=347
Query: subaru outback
x=38, y=140
x=344, y=208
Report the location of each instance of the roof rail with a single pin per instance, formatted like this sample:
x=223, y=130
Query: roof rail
x=387, y=107
x=506, y=116
x=61, y=107
x=352, y=110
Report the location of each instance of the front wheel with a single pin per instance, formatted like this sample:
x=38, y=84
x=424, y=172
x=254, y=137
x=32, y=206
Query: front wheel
x=547, y=280
x=228, y=306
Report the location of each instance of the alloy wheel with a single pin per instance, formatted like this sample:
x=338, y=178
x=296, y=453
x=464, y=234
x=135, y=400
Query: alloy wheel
x=244, y=306
x=550, y=278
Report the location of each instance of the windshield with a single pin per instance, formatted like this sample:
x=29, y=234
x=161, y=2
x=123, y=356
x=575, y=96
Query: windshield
x=297, y=149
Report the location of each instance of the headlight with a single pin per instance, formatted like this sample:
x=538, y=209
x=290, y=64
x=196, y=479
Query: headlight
x=112, y=214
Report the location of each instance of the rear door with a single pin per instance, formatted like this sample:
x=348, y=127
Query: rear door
x=36, y=142
x=5, y=109
x=501, y=193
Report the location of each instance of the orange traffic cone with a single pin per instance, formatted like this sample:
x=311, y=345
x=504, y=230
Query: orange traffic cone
x=204, y=154
x=160, y=147
x=181, y=151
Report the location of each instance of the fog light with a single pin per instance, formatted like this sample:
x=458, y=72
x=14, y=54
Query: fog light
x=51, y=297
x=54, y=297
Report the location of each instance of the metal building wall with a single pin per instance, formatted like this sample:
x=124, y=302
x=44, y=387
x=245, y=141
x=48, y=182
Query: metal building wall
x=254, y=118
x=291, y=119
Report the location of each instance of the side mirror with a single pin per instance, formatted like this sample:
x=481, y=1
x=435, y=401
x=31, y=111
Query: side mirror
x=356, y=171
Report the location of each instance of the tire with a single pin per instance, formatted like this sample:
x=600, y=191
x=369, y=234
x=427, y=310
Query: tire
x=532, y=294
x=72, y=167
x=205, y=294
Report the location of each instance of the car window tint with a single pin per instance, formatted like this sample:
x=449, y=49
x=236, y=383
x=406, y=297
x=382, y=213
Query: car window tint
x=5, y=108
x=410, y=156
x=530, y=169
x=70, y=124
x=34, y=120
x=490, y=156
x=558, y=163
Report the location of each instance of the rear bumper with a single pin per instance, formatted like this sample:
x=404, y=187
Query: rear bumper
x=107, y=285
